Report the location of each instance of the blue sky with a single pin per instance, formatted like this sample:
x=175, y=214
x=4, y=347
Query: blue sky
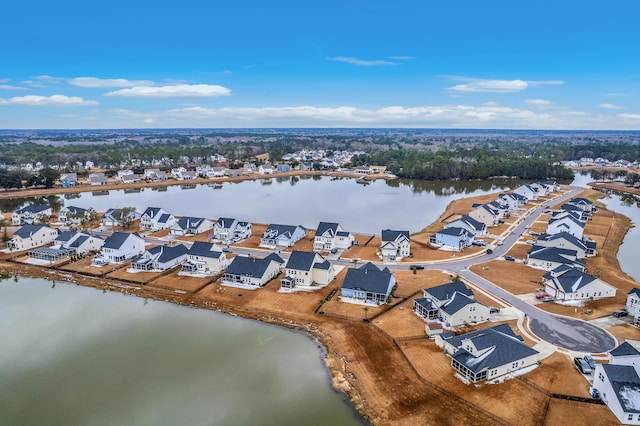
x=453, y=64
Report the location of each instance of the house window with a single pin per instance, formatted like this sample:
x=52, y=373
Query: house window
x=514, y=365
x=601, y=377
x=630, y=417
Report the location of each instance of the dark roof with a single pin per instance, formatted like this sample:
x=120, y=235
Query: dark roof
x=74, y=209
x=565, y=236
x=200, y=248
x=624, y=349
x=33, y=209
x=323, y=227
x=391, y=235
x=568, y=279
x=570, y=217
x=581, y=200
x=26, y=231
x=474, y=224
x=322, y=265
x=454, y=231
x=275, y=230
x=78, y=241
x=426, y=303
x=343, y=233
x=115, y=240
x=248, y=266
x=275, y=257
x=65, y=236
x=301, y=260
x=625, y=382
x=369, y=280
x=168, y=253
x=187, y=222
x=635, y=291
x=501, y=347
x=457, y=302
x=225, y=222
x=151, y=211
x=446, y=291
x=164, y=218
x=553, y=254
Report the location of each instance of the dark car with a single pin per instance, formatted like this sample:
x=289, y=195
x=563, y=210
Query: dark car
x=494, y=310
x=620, y=313
x=489, y=251
x=420, y=267
x=510, y=258
x=582, y=365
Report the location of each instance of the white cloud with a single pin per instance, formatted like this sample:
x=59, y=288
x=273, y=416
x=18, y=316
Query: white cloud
x=55, y=100
x=609, y=106
x=48, y=79
x=361, y=62
x=173, y=91
x=629, y=116
x=538, y=102
x=94, y=82
x=403, y=58
x=10, y=87
x=478, y=85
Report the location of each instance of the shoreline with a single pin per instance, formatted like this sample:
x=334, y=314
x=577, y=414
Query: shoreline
x=406, y=398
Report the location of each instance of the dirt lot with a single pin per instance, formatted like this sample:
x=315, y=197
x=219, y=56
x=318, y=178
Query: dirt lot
x=516, y=278
x=562, y=412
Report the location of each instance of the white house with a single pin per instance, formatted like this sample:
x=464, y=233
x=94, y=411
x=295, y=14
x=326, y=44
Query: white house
x=266, y=169
x=117, y=217
x=583, y=203
x=30, y=236
x=307, y=270
x=486, y=214
x=98, y=179
x=191, y=226
x=567, y=283
x=281, y=235
x=156, y=218
x=564, y=240
x=528, y=191
x=160, y=258
x=228, y=229
x=204, y=258
x=31, y=214
x=155, y=175
x=251, y=272
x=121, y=246
x=565, y=223
x=72, y=215
x=513, y=200
x=395, y=245
x=79, y=242
x=488, y=353
x=330, y=235
x=451, y=239
x=475, y=226
x=633, y=304
x=618, y=383
x=453, y=303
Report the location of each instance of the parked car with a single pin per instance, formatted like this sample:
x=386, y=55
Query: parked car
x=489, y=251
x=510, y=258
x=582, y=365
x=226, y=250
x=500, y=242
x=589, y=359
x=334, y=251
x=620, y=313
x=547, y=299
x=534, y=233
x=494, y=310
x=418, y=267
x=531, y=242
x=480, y=243
x=541, y=295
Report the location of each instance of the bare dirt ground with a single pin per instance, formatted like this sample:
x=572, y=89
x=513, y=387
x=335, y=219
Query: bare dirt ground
x=403, y=382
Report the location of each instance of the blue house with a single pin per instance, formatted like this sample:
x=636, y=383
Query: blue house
x=451, y=239
x=368, y=284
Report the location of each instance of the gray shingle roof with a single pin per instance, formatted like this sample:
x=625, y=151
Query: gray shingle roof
x=471, y=222
x=457, y=302
x=568, y=279
x=115, y=240
x=446, y=291
x=501, y=347
x=65, y=236
x=151, y=212
x=301, y=260
x=275, y=257
x=625, y=382
x=392, y=235
x=322, y=265
x=187, y=222
x=225, y=222
x=563, y=236
x=454, y=231
x=78, y=241
x=168, y=253
x=33, y=209
x=275, y=230
x=369, y=280
x=426, y=303
x=331, y=227
x=26, y=231
x=624, y=349
x=202, y=249
x=248, y=266
x=635, y=291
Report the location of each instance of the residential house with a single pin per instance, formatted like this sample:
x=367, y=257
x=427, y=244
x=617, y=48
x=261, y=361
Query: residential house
x=453, y=303
x=249, y=168
x=363, y=170
x=475, y=226
x=395, y=245
x=229, y=229
x=68, y=180
x=121, y=246
x=307, y=270
x=266, y=169
x=98, y=179
x=367, y=285
x=566, y=223
x=567, y=283
x=485, y=214
x=155, y=175
x=549, y=258
x=252, y=272
x=132, y=178
x=283, y=168
x=72, y=215
x=204, y=258
x=583, y=203
x=633, y=305
x=188, y=175
x=119, y=217
x=528, y=191
x=513, y=200
x=160, y=258
x=488, y=353
x=330, y=235
x=282, y=235
x=30, y=236
x=191, y=226
x=451, y=239
x=575, y=211
x=618, y=383
x=565, y=240
x=67, y=244
x=543, y=190
x=31, y=214
x=156, y=218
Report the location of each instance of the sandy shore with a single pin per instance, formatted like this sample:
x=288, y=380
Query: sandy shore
x=387, y=367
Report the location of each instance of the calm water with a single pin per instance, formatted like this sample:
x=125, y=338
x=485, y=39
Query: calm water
x=71, y=355
x=396, y=204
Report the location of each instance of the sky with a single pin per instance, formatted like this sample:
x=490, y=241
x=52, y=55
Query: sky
x=566, y=65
